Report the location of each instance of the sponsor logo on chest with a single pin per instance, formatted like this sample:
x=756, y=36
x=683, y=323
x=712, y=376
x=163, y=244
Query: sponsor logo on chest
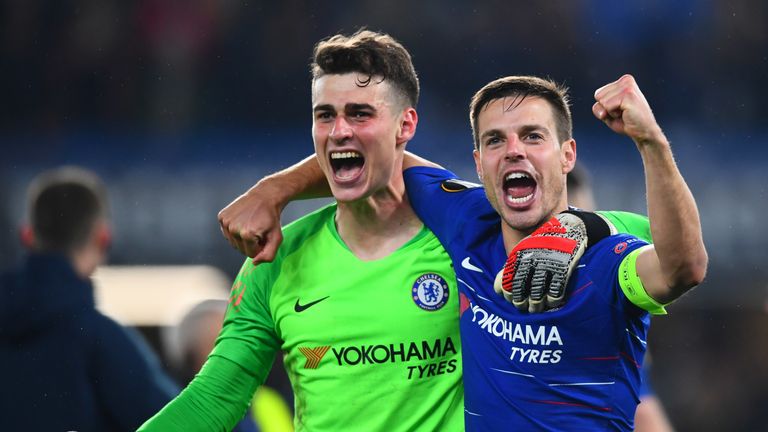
x=421, y=359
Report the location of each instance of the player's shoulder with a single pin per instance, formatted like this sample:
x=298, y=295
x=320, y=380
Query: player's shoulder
x=306, y=226
x=612, y=248
x=441, y=178
x=630, y=223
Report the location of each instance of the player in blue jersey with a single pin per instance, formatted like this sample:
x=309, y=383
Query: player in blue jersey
x=576, y=367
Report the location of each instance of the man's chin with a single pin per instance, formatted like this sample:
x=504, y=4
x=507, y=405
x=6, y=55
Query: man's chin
x=348, y=194
x=523, y=221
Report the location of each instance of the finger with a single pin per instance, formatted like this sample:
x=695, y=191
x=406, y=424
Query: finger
x=614, y=87
x=497, y=282
x=599, y=93
x=553, y=301
x=224, y=227
x=238, y=243
x=521, y=285
x=538, y=285
x=225, y=234
x=616, y=103
x=612, y=100
x=246, y=241
x=599, y=111
x=253, y=246
x=269, y=248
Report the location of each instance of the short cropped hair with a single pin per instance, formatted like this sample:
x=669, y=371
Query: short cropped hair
x=375, y=55
x=64, y=204
x=521, y=87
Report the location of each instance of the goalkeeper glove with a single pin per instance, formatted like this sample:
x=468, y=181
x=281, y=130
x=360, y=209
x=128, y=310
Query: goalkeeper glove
x=538, y=268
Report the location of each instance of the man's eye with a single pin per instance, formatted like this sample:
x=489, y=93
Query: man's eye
x=535, y=136
x=323, y=116
x=360, y=115
x=492, y=141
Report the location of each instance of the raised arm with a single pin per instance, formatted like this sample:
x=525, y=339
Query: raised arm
x=251, y=223
x=678, y=260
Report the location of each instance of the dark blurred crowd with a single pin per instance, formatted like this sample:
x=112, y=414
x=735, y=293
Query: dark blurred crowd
x=173, y=64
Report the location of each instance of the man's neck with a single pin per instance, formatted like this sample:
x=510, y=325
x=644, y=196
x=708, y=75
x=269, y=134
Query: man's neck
x=85, y=261
x=375, y=227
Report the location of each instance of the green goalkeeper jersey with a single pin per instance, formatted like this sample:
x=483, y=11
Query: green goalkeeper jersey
x=368, y=345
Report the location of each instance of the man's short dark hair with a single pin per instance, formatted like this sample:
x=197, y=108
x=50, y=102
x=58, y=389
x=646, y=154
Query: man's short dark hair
x=518, y=88
x=64, y=205
x=377, y=56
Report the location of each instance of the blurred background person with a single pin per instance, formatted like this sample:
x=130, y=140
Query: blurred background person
x=188, y=345
x=64, y=365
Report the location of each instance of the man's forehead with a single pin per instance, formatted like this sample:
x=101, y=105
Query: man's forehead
x=349, y=88
x=512, y=111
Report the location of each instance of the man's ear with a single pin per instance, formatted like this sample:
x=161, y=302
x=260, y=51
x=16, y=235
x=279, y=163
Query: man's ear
x=27, y=236
x=408, y=123
x=103, y=236
x=568, y=155
x=478, y=165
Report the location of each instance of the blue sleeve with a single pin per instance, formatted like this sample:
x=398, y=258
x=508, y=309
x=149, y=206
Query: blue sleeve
x=128, y=378
x=444, y=202
x=606, y=257
x=646, y=390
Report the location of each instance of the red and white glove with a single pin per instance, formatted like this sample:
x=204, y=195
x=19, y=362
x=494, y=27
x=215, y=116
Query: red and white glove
x=538, y=268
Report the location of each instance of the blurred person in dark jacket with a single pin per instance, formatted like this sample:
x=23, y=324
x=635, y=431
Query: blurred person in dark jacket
x=65, y=366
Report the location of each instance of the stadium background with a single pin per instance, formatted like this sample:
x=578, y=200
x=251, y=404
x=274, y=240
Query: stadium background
x=181, y=105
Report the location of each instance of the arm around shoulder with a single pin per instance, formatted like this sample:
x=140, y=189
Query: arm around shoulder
x=411, y=160
x=251, y=223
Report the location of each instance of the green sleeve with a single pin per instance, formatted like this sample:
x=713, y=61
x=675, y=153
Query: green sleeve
x=220, y=394
x=214, y=401
x=630, y=223
x=248, y=337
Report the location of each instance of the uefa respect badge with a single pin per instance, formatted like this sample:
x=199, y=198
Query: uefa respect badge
x=430, y=292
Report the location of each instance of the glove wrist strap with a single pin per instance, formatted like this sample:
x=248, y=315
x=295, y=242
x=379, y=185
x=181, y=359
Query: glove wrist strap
x=597, y=226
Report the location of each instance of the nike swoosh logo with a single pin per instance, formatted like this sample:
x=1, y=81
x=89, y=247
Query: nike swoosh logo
x=302, y=307
x=469, y=266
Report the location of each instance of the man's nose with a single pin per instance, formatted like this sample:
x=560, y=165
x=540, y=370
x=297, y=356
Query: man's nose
x=515, y=149
x=341, y=129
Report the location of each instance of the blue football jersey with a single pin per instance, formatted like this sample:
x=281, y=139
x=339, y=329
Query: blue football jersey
x=574, y=368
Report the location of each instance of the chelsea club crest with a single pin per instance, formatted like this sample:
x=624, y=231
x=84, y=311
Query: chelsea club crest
x=430, y=292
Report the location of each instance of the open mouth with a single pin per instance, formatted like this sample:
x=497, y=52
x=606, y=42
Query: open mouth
x=519, y=187
x=347, y=165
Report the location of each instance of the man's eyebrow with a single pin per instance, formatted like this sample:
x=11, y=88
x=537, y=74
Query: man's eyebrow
x=324, y=107
x=359, y=106
x=533, y=127
x=492, y=133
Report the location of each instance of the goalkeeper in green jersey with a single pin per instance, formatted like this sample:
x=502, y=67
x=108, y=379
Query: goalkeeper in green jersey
x=361, y=297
